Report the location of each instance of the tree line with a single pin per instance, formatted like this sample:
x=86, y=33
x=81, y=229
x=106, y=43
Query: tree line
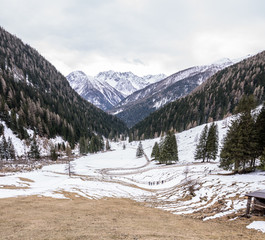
x=244, y=145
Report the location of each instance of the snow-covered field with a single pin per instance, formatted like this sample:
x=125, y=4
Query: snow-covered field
x=188, y=187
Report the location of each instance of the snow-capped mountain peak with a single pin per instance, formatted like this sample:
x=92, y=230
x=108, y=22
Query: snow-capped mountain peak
x=127, y=82
x=100, y=94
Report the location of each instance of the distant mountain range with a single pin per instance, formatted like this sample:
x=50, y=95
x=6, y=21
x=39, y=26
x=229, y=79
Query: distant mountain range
x=132, y=98
x=108, y=88
x=141, y=103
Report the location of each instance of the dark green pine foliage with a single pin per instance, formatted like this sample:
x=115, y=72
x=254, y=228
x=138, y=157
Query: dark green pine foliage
x=83, y=146
x=140, y=150
x=212, y=143
x=260, y=127
x=34, y=95
x=155, y=151
x=169, y=149
x=215, y=99
x=34, y=152
x=1, y=129
x=240, y=145
x=11, y=149
x=96, y=144
x=3, y=149
x=231, y=154
x=262, y=160
x=201, y=147
x=53, y=153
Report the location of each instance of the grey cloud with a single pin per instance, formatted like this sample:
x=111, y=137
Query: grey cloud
x=172, y=34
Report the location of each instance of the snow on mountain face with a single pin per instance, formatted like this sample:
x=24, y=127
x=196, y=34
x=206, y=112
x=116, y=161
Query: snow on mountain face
x=127, y=82
x=141, y=103
x=100, y=94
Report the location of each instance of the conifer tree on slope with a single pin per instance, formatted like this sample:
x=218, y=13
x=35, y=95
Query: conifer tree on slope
x=201, y=147
x=231, y=155
x=155, y=151
x=140, y=150
x=34, y=152
x=212, y=143
x=260, y=127
x=169, y=149
x=240, y=145
x=11, y=149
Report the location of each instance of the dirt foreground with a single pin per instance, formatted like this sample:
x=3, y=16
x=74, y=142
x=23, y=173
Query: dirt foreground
x=79, y=218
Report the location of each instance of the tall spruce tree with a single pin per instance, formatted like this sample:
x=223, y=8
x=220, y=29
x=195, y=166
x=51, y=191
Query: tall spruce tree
x=140, y=150
x=34, y=152
x=201, y=147
x=53, y=153
x=83, y=146
x=212, y=142
x=169, y=149
x=155, y=151
x=230, y=156
x=11, y=149
x=260, y=128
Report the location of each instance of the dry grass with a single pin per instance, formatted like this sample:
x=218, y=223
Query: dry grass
x=79, y=218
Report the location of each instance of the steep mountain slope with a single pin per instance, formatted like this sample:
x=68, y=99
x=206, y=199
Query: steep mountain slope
x=100, y=94
x=127, y=82
x=141, y=103
x=214, y=99
x=33, y=94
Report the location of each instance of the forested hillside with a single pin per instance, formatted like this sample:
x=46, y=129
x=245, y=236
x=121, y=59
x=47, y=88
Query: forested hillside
x=140, y=104
x=213, y=100
x=34, y=95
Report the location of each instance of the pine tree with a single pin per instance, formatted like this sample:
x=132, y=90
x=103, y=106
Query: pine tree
x=83, y=146
x=231, y=154
x=34, y=152
x=140, y=150
x=169, y=149
x=4, y=149
x=53, y=153
x=1, y=129
x=260, y=127
x=262, y=160
x=212, y=142
x=2, y=156
x=240, y=145
x=201, y=148
x=155, y=151
x=11, y=149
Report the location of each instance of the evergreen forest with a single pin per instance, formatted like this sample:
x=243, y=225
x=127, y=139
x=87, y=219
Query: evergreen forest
x=34, y=95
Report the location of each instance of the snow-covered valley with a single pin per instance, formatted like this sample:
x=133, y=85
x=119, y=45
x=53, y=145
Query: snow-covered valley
x=188, y=187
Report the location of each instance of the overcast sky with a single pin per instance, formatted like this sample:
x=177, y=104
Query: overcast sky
x=142, y=36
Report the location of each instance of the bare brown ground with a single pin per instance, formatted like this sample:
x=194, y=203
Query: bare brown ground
x=79, y=218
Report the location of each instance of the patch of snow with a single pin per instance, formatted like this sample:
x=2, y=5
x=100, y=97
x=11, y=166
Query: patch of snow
x=257, y=225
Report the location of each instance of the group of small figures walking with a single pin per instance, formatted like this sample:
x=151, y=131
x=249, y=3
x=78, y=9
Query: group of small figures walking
x=156, y=183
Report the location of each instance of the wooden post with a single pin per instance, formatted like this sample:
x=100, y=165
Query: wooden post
x=248, y=205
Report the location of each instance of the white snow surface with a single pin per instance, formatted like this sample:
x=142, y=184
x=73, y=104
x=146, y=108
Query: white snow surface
x=257, y=225
x=118, y=173
x=21, y=148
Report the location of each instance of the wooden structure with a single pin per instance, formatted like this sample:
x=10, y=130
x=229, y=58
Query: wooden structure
x=256, y=202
